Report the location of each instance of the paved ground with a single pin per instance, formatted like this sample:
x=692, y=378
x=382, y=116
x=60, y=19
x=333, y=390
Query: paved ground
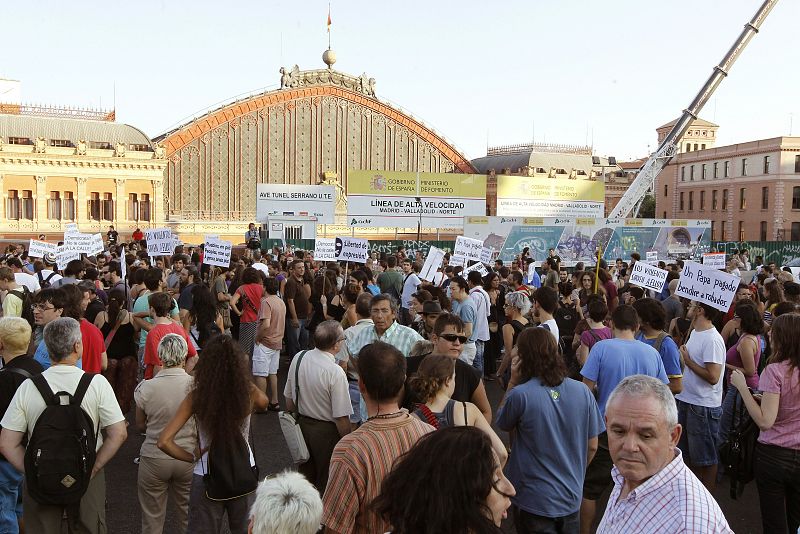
x=273, y=456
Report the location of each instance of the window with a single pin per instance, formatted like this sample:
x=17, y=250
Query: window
x=722, y=237
x=703, y=146
x=144, y=207
x=691, y=200
x=702, y=200
x=12, y=205
x=796, y=231
x=727, y=169
x=724, y=200
x=703, y=172
x=27, y=205
x=108, y=207
x=713, y=231
x=691, y=173
x=688, y=147
x=665, y=215
x=680, y=204
x=133, y=207
x=716, y=169
x=95, y=207
x=797, y=164
x=766, y=164
x=69, y=206
x=764, y=198
x=695, y=146
x=140, y=148
x=742, y=199
x=665, y=189
x=763, y=233
x=294, y=232
x=741, y=230
x=54, y=206
x=796, y=198
x=744, y=166
x=102, y=145
x=19, y=141
x=61, y=142
x=683, y=174
x=714, y=199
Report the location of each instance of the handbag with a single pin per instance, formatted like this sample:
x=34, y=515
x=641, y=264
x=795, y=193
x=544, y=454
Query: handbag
x=290, y=422
x=738, y=453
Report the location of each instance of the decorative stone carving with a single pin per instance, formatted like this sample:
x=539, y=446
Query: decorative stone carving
x=2, y=142
x=297, y=78
x=159, y=152
x=41, y=180
x=81, y=180
x=119, y=182
x=119, y=150
x=39, y=145
x=290, y=79
x=80, y=149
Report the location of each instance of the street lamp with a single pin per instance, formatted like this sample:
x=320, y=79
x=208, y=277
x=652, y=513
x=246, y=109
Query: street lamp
x=419, y=222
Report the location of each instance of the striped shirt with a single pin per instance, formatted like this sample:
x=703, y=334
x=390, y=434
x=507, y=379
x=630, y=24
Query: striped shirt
x=672, y=500
x=360, y=462
x=397, y=335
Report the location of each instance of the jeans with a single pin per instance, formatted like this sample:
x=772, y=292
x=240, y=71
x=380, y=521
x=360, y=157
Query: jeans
x=700, y=437
x=206, y=516
x=296, y=338
x=778, y=482
x=10, y=497
x=528, y=523
x=477, y=363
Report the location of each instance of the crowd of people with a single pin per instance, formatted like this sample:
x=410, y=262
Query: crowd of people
x=607, y=387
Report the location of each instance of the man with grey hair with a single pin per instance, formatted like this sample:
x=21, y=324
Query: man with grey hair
x=383, y=311
x=653, y=491
x=316, y=387
x=286, y=502
x=64, y=345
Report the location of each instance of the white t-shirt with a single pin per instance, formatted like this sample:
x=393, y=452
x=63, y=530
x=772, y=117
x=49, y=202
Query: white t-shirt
x=46, y=273
x=553, y=326
x=28, y=280
x=410, y=284
x=705, y=346
x=27, y=405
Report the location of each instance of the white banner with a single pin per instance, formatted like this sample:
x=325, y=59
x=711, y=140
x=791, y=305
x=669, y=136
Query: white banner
x=352, y=249
x=71, y=228
x=486, y=255
x=708, y=285
x=516, y=207
x=325, y=249
x=217, y=252
x=468, y=247
x=405, y=212
x=648, y=277
x=432, y=264
x=84, y=243
x=160, y=242
x=65, y=255
x=285, y=200
x=481, y=268
x=714, y=260
x=651, y=255
x=37, y=249
x=457, y=261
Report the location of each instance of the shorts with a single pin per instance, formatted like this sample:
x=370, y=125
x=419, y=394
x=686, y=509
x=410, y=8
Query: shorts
x=700, y=438
x=598, y=472
x=265, y=360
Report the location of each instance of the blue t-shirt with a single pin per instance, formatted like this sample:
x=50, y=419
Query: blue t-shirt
x=670, y=355
x=466, y=311
x=553, y=425
x=611, y=360
x=43, y=357
x=536, y=281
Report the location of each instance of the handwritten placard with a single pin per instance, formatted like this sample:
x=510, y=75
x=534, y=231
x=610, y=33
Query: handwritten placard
x=708, y=285
x=648, y=277
x=432, y=264
x=37, y=249
x=325, y=249
x=217, y=252
x=468, y=248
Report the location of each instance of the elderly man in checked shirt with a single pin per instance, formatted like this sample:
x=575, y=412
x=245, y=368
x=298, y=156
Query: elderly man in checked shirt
x=654, y=491
x=383, y=311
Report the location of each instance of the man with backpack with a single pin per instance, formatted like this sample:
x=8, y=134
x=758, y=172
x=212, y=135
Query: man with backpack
x=391, y=280
x=652, y=319
x=66, y=452
x=47, y=275
x=18, y=299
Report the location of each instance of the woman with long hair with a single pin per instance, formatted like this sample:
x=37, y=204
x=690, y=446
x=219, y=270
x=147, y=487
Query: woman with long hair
x=470, y=492
x=121, y=348
x=249, y=294
x=434, y=384
x=585, y=290
x=205, y=320
x=235, y=281
x=773, y=290
x=517, y=307
x=348, y=297
x=325, y=301
x=497, y=318
x=778, y=417
x=221, y=400
x=222, y=298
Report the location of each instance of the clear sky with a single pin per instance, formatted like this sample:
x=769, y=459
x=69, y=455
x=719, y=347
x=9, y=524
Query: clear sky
x=566, y=71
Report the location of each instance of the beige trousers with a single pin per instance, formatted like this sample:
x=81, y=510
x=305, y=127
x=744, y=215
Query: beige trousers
x=157, y=478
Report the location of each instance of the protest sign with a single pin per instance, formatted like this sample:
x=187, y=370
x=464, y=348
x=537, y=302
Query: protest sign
x=481, y=268
x=468, y=247
x=432, y=264
x=651, y=255
x=795, y=272
x=96, y=244
x=37, y=249
x=457, y=261
x=325, y=249
x=65, y=255
x=71, y=228
x=714, y=260
x=486, y=255
x=123, y=266
x=160, y=242
x=531, y=271
x=84, y=243
x=705, y=284
x=648, y=277
x=217, y=252
x=352, y=249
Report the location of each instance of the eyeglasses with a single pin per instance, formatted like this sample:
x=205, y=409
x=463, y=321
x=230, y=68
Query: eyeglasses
x=39, y=307
x=452, y=338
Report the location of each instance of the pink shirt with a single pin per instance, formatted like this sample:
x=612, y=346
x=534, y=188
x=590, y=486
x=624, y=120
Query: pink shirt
x=784, y=380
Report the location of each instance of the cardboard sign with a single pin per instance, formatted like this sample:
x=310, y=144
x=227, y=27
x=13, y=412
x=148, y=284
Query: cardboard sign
x=795, y=271
x=37, y=249
x=432, y=264
x=714, y=260
x=706, y=284
x=160, y=242
x=481, y=268
x=486, y=255
x=352, y=249
x=531, y=271
x=468, y=247
x=651, y=255
x=325, y=249
x=65, y=255
x=84, y=243
x=71, y=228
x=648, y=277
x=217, y=252
x=457, y=261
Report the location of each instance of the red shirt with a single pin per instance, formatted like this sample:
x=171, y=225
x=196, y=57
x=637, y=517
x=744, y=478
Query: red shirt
x=253, y=293
x=154, y=336
x=137, y=236
x=93, y=348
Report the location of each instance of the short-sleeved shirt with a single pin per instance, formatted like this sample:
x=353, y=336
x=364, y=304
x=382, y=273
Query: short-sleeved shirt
x=703, y=346
x=10, y=381
x=611, y=293
x=100, y=402
x=154, y=336
x=669, y=352
x=93, y=348
x=590, y=336
x=12, y=304
x=28, y=280
x=186, y=299
x=783, y=379
x=250, y=309
x=93, y=309
x=397, y=335
x=324, y=393
x=142, y=304
x=466, y=312
x=548, y=461
x=388, y=279
x=410, y=284
x=611, y=360
x=360, y=462
x=300, y=294
x=273, y=311
x=159, y=399
x=468, y=379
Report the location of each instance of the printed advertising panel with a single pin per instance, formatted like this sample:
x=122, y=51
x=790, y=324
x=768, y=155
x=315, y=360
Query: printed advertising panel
x=406, y=199
x=548, y=197
x=280, y=200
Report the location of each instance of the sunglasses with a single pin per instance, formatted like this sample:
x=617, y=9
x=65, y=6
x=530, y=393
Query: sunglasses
x=453, y=337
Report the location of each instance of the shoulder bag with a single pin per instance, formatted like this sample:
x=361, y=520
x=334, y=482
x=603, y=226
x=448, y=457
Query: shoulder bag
x=290, y=421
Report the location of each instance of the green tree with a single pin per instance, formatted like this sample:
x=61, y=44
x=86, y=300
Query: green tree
x=648, y=208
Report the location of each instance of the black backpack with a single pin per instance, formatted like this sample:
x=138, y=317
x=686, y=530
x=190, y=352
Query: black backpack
x=24, y=294
x=62, y=449
x=738, y=453
x=45, y=282
x=567, y=319
x=230, y=474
